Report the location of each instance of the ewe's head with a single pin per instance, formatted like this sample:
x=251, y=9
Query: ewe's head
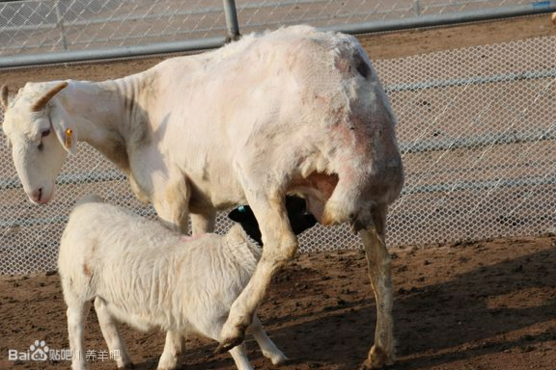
x=35, y=124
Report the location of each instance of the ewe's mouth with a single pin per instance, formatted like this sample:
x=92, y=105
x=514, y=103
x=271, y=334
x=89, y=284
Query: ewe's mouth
x=40, y=196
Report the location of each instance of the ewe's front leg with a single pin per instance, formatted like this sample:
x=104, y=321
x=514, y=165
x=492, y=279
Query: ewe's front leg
x=171, y=203
x=379, y=265
x=203, y=223
x=280, y=245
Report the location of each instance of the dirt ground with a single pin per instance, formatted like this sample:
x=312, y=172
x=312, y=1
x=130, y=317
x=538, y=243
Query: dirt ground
x=480, y=306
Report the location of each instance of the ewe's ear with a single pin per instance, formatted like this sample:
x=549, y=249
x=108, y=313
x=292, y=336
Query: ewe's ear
x=62, y=126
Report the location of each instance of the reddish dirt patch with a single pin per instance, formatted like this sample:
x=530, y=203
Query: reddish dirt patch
x=480, y=306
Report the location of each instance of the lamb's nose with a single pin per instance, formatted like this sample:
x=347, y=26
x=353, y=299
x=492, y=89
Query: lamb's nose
x=36, y=195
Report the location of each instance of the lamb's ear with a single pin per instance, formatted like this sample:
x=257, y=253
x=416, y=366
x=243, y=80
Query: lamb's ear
x=234, y=215
x=4, y=100
x=241, y=214
x=62, y=126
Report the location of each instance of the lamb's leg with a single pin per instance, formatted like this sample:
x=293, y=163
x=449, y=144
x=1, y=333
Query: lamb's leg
x=280, y=245
x=379, y=264
x=77, y=317
x=266, y=344
x=111, y=334
x=239, y=354
x=173, y=347
x=212, y=330
x=175, y=341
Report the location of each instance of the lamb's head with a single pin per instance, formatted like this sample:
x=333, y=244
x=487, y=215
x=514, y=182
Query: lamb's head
x=35, y=124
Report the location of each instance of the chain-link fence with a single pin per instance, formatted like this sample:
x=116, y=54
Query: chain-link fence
x=45, y=26
x=477, y=129
x=476, y=124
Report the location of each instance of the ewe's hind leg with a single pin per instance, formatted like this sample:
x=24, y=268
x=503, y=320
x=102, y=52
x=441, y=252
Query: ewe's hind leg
x=111, y=334
x=266, y=344
x=379, y=264
x=280, y=245
x=77, y=317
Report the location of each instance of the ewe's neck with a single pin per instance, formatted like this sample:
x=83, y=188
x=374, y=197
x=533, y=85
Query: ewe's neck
x=103, y=114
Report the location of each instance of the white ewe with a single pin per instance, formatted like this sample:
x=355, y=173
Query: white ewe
x=295, y=111
x=141, y=273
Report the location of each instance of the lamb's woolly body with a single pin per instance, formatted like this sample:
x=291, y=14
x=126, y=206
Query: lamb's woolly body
x=151, y=277
x=137, y=271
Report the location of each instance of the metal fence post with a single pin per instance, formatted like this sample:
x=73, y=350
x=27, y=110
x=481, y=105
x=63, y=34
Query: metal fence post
x=231, y=20
x=417, y=7
x=60, y=25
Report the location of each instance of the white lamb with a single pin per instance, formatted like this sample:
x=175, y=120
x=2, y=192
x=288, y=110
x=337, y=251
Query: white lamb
x=139, y=272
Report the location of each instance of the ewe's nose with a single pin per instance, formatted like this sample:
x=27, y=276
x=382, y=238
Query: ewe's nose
x=36, y=195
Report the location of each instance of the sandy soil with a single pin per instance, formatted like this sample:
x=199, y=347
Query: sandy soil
x=480, y=306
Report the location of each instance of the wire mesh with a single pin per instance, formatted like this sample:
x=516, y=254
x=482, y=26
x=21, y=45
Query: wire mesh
x=477, y=130
x=46, y=26
x=257, y=15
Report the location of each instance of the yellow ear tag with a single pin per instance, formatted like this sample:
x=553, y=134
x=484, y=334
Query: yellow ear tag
x=69, y=135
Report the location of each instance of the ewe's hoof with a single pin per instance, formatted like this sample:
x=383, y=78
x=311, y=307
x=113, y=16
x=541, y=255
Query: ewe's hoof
x=378, y=359
x=233, y=335
x=228, y=344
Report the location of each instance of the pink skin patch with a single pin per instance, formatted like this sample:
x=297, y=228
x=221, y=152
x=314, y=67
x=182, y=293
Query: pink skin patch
x=187, y=238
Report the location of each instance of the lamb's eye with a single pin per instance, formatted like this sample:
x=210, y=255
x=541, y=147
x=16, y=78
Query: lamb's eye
x=41, y=146
x=45, y=133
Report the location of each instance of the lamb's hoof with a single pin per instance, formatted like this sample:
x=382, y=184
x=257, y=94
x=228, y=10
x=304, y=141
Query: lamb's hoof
x=377, y=359
x=126, y=365
x=228, y=344
x=279, y=360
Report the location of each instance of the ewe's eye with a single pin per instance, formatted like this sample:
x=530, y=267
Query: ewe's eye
x=41, y=146
x=45, y=133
